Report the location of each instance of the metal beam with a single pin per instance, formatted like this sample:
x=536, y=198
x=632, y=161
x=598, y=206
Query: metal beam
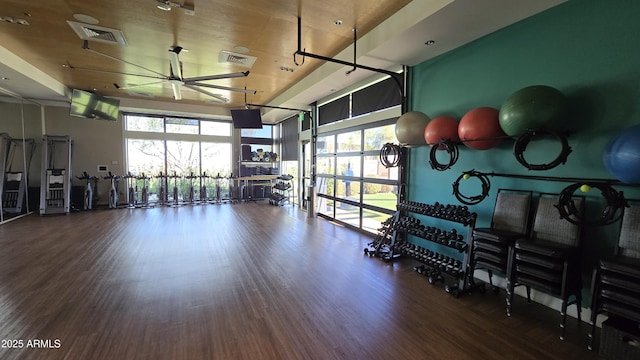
x=353, y=64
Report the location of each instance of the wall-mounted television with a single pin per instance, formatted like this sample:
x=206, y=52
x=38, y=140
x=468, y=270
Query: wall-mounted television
x=93, y=106
x=246, y=118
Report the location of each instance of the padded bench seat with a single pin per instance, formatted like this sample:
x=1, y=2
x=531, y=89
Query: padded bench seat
x=546, y=248
x=623, y=265
x=497, y=235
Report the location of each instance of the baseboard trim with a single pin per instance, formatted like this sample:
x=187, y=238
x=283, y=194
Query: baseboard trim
x=541, y=298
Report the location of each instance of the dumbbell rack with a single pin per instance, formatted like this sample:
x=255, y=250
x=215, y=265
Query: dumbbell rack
x=383, y=244
x=434, y=264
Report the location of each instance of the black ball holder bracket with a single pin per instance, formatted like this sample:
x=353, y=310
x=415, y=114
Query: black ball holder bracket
x=523, y=140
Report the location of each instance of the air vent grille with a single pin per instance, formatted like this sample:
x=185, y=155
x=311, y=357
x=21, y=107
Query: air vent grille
x=95, y=34
x=228, y=57
x=98, y=33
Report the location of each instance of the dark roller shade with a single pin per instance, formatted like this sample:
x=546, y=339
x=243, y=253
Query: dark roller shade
x=378, y=96
x=333, y=111
x=290, y=139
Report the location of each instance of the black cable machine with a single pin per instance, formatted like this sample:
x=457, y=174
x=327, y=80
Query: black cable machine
x=55, y=189
x=5, y=140
x=15, y=178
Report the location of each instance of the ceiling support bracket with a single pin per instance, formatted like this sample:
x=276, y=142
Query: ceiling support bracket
x=395, y=76
x=355, y=53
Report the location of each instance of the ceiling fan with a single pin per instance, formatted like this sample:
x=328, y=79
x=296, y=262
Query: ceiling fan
x=175, y=78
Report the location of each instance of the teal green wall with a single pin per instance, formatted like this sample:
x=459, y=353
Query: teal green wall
x=589, y=50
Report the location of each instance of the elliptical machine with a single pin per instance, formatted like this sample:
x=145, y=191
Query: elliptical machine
x=91, y=192
x=113, y=191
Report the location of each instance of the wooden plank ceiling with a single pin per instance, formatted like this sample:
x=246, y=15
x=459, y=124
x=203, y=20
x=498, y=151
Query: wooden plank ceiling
x=267, y=28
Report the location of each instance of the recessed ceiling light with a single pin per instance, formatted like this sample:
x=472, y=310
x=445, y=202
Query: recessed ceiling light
x=337, y=22
x=87, y=19
x=241, y=49
x=430, y=42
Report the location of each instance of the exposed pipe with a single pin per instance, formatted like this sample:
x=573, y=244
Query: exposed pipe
x=278, y=107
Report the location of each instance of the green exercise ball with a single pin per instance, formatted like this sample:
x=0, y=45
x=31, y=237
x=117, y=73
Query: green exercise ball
x=410, y=128
x=534, y=107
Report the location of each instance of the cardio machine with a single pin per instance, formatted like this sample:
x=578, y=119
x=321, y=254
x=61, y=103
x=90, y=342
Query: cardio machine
x=163, y=196
x=203, y=188
x=144, y=196
x=175, y=178
x=190, y=177
x=133, y=189
x=113, y=191
x=91, y=191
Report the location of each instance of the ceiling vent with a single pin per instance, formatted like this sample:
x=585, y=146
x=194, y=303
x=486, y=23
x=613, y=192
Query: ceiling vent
x=228, y=57
x=98, y=33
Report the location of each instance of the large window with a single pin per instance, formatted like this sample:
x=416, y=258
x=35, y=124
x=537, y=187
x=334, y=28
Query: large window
x=144, y=123
x=180, y=147
x=266, y=132
x=182, y=126
x=352, y=186
x=145, y=156
x=215, y=128
x=258, y=152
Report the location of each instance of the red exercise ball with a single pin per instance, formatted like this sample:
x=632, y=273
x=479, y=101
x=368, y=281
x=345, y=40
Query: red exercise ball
x=480, y=128
x=441, y=128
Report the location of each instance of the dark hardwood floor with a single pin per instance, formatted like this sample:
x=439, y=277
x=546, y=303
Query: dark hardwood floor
x=244, y=281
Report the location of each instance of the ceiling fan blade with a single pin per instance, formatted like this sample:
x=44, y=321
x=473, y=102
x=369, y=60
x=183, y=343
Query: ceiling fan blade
x=224, y=88
x=114, y=72
x=217, y=77
x=176, y=69
x=221, y=98
x=177, y=95
x=86, y=47
x=129, y=87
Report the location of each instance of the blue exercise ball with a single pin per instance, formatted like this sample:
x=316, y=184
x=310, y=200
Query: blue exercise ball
x=622, y=155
